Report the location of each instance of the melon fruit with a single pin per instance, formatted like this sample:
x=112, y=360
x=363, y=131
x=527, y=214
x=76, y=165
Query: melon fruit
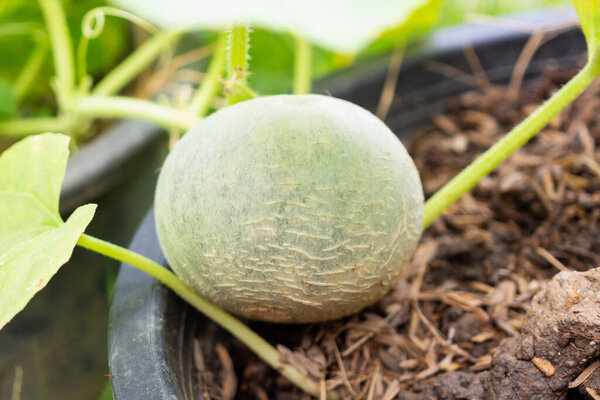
x=289, y=208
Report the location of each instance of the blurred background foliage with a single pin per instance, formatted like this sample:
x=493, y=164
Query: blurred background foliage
x=22, y=32
x=272, y=53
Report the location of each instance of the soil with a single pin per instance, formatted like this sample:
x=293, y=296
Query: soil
x=501, y=300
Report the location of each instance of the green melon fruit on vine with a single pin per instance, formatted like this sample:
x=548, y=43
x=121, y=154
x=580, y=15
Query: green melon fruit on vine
x=290, y=208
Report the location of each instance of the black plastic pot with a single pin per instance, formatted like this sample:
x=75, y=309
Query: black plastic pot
x=151, y=330
x=59, y=340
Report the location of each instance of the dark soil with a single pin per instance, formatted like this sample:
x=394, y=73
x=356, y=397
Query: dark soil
x=477, y=314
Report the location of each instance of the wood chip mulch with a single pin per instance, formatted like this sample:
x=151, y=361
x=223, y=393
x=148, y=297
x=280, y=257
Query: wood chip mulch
x=474, y=274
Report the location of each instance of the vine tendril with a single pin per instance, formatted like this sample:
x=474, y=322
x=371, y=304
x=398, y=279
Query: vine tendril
x=92, y=26
x=93, y=21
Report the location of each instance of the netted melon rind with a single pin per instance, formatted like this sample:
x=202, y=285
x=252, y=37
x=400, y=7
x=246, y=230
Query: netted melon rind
x=289, y=208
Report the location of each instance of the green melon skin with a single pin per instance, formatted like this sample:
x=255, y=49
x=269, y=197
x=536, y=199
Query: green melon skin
x=290, y=208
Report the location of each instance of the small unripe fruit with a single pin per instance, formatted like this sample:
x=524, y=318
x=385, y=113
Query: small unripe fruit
x=291, y=208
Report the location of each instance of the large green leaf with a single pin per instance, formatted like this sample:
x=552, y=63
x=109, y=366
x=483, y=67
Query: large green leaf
x=34, y=241
x=340, y=25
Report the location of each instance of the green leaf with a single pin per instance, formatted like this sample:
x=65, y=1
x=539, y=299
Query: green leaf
x=341, y=25
x=588, y=12
x=36, y=165
x=34, y=241
x=418, y=23
x=8, y=99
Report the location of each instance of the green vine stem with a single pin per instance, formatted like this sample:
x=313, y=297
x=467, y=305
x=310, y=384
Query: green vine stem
x=30, y=69
x=212, y=80
x=61, y=48
x=237, y=69
x=516, y=138
x=135, y=63
x=124, y=107
x=238, y=329
x=81, y=55
x=302, y=66
x=87, y=108
x=23, y=127
x=239, y=44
